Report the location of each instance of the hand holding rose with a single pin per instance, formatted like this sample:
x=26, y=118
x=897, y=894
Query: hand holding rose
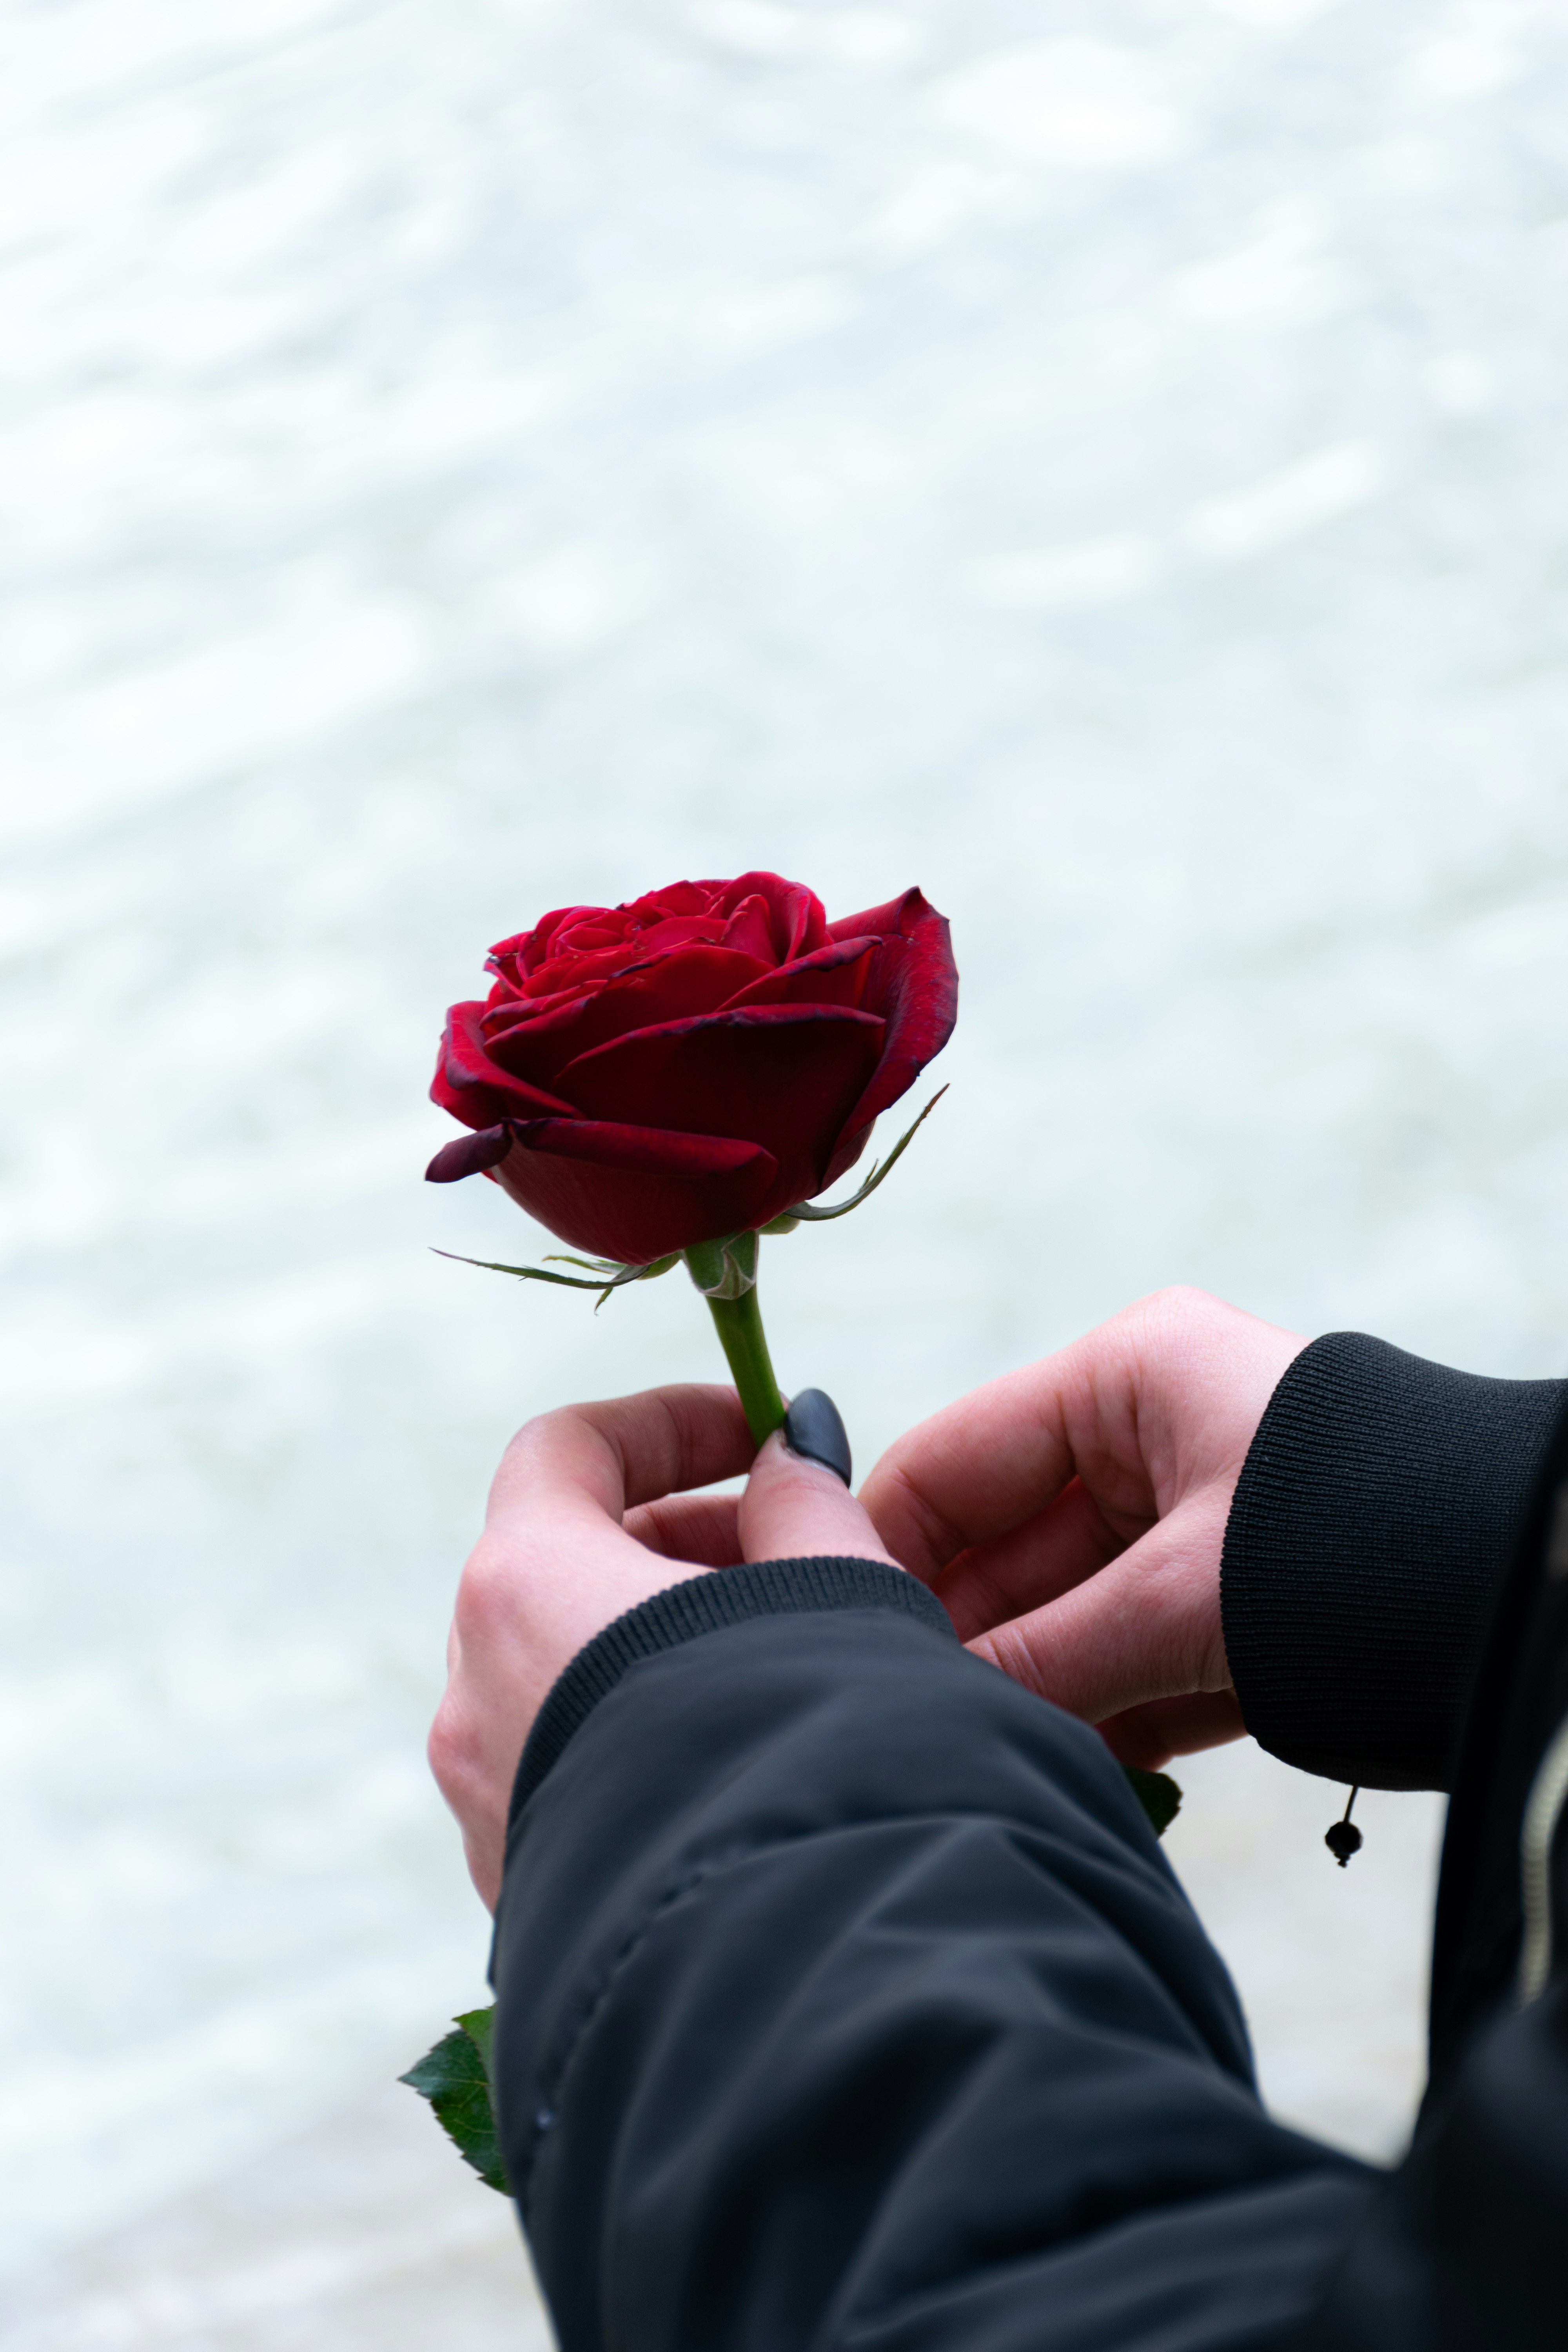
x=1069, y=1514
x=590, y=1513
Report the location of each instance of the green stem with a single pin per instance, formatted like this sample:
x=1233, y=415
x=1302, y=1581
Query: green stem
x=741, y=1334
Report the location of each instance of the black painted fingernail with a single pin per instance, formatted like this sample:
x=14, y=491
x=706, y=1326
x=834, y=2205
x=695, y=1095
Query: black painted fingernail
x=814, y=1429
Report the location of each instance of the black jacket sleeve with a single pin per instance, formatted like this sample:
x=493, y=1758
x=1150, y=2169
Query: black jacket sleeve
x=1375, y=1518
x=845, y=2000
x=1463, y=2251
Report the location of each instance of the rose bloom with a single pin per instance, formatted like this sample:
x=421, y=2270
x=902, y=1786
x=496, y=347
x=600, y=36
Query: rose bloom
x=646, y=1076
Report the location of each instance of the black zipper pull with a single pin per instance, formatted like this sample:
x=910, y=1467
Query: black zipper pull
x=1345, y=1838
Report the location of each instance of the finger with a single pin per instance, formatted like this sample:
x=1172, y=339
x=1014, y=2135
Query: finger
x=702, y=1529
x=1145, y=1628
x=814, y=1428
x=1150, y=1736
x=793, y=1508
x=1165, y=1395
x=991, y=1460
x=608, y=1457
x=1030, y=1565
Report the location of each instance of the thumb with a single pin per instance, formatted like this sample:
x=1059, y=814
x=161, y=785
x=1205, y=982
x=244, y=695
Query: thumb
x=797, y=1502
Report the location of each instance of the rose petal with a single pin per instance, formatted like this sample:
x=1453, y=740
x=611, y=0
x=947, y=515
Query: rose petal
x=505, y=1009
x=914, y=985
x=519, y=955
x=749, y=930
x=637, y=1193
x=836, y=974
x=469, y=1155
x=475, y=1088
x=583, y=958
x=796, y=918
x=791, y=915
x=673, y=899
x=784, y=1075
x=694, y=980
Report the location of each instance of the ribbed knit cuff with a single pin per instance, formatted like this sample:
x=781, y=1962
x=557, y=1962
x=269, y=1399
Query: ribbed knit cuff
x=1373, y=1523
x=707, y=1605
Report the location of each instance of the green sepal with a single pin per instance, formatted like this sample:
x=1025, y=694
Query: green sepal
x=804, y=1213
x=613, y=1276
x=726, y=1268
x=456, y=2078
x=1157, y=1793
x=603, y=1266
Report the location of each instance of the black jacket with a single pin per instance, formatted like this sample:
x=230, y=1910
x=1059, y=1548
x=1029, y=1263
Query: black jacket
x=845, y=2000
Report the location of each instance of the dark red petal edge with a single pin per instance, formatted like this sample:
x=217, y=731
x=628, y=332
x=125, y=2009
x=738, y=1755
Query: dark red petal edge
x=921, y=1001
x=469, y=1155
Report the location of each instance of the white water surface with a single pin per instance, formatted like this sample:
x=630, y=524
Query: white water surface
x=1105, y=464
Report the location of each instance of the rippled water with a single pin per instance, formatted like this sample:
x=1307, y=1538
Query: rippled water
x=1105, y=464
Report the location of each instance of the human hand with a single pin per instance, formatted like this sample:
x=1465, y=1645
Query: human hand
x=591, y=1513
x=1071, y=1516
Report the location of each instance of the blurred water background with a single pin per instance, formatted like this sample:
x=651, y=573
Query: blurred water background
x=1105, y=464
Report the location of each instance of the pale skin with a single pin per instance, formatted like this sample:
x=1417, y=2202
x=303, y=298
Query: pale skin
x=1069, y=1516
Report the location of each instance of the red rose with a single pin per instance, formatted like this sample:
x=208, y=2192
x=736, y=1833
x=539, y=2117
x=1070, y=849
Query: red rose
x=647, y=1076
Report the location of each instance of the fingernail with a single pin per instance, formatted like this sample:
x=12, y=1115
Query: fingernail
x=814, y=1429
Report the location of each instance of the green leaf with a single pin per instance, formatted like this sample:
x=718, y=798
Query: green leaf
x=1158, y=1794
x=803, y=1212
x=480, y=2025
x=456, y=2078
